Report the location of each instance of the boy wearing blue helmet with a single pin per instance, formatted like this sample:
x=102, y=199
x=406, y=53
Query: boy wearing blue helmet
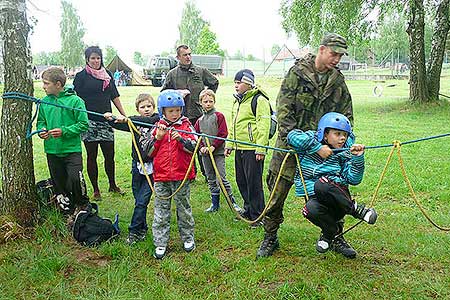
x=172, y=152
x=327, y=175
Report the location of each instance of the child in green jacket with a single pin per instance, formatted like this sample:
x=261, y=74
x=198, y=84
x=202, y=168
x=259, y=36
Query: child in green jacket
x=251, y=128
x=60, y=128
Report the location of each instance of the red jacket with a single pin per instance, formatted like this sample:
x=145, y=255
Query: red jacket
x=170, y=159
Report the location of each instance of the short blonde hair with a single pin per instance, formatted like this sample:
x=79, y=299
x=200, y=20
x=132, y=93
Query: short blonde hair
x=207, y=92
x=54, y=74
x=144, y=97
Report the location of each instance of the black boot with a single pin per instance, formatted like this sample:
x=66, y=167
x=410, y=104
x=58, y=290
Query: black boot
x=214, y=204
x=366, y=214
x=268, y=245
x=340, y=245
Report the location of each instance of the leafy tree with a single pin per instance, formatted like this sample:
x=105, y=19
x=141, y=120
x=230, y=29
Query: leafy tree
x=72, y=33
x=19, y=198
x=238, y=55
x=191, y=25
x=47, y=58
x=251, y=57
x=275, y=49
x=137, y=58
x=109, y=55
x=207, y=43
x=310, y=19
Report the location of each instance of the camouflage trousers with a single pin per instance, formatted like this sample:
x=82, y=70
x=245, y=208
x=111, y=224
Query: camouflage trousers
x=162, y=212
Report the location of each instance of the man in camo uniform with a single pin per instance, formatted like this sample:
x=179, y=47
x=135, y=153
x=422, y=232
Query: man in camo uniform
x=311, y=88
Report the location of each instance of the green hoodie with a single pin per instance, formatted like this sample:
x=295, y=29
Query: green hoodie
x=248, y=128
x=71, y=122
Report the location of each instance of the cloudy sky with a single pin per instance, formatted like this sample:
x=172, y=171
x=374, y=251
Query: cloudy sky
x=149, y=26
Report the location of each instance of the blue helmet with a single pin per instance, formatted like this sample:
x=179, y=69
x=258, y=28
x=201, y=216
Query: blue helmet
x=333, y=120
x=169, y=98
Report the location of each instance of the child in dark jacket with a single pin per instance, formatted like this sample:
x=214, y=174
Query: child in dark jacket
x=61, y=128
x=327, y=176
x=213, y=123
x=145, y=106
x=172, y=152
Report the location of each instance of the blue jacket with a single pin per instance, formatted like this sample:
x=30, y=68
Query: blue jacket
x=342, y=167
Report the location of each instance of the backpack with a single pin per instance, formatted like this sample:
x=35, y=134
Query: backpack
x=90, y=230
x=45, y=191
x=273, y=114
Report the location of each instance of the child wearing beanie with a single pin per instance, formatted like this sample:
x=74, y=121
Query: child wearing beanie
x=251, y=126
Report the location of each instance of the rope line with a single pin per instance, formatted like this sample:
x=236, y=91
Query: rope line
x=16, y=95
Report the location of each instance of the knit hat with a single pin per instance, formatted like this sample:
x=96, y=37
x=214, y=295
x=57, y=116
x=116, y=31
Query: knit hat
x=336, y=42
x=245, y=76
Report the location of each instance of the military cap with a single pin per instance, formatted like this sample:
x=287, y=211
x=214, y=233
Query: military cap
x=336, y=42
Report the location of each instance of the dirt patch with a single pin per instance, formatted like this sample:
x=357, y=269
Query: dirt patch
x=90, y=257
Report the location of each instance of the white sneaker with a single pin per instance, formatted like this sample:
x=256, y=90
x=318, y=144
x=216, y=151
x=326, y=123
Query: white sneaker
x=160, y=252
x=189, y=246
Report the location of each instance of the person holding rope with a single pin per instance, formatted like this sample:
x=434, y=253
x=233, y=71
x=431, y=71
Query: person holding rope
x=253, y=128
x=311, y=88
x=172, y=153
x=145, y=106
x=60, y=129
x=213, y=123
x=93, y=85
x=326, y=177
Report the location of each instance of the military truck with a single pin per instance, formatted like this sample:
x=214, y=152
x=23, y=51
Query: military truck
x=159, y=66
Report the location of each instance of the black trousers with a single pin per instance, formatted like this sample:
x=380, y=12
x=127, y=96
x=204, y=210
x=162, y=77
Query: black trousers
x=67, y=176
x=328, y=206
x=249, y=173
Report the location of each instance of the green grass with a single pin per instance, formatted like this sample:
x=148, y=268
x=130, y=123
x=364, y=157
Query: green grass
x=401, y=257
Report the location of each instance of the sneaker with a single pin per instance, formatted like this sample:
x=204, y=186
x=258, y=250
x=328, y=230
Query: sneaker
x=268, y=245
x=211, y=209
x=238, y=208
x=367, y=214
x=323, y=244
x=340, y=245
x=133, y=238
x=189, y=246
x=256, y=224
x=160, y=252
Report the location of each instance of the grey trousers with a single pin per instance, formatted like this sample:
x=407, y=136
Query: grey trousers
x=213, y=182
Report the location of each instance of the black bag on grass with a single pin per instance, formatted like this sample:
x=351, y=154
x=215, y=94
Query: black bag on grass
x=91, y=230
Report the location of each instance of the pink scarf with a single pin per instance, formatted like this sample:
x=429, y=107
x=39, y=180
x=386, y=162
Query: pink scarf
x=99, y=74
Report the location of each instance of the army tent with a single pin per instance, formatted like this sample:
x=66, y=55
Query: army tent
x=134, y=71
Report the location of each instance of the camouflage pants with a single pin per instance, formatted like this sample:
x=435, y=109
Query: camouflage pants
x=162, y=212
x=274, y=216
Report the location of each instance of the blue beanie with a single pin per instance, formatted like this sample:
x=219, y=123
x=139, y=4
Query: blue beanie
x=246, y=76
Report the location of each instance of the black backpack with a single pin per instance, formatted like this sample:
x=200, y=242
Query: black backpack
x=273, y=115
x=45, y=191
x=90, y=230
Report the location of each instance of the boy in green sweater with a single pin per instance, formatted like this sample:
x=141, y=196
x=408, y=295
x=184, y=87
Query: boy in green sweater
x=61, y=128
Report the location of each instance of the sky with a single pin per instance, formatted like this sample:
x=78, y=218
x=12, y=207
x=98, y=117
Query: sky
x=150, y=27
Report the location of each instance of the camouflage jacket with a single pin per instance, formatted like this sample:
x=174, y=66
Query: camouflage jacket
x=302, y=101
x=195, y=79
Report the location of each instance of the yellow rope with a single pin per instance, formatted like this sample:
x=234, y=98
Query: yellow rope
x=413, y=194
x=133, y=128
x=230, y=204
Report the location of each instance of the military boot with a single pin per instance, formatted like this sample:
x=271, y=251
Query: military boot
x=369, y=215
x=268, y=245
x=340, y=245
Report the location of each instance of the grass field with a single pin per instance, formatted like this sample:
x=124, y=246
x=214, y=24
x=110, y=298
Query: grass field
x=401, y=257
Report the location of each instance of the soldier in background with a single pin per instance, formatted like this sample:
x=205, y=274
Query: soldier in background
x=187, y=76
x=311, y=88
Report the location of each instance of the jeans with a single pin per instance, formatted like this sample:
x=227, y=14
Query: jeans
x=142, y=193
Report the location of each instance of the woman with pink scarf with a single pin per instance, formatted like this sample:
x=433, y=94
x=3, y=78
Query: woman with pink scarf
x=95, y=86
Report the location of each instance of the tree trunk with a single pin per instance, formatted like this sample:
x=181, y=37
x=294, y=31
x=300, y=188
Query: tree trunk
x=418, y=91
x=441, y=28
x=19, y=194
